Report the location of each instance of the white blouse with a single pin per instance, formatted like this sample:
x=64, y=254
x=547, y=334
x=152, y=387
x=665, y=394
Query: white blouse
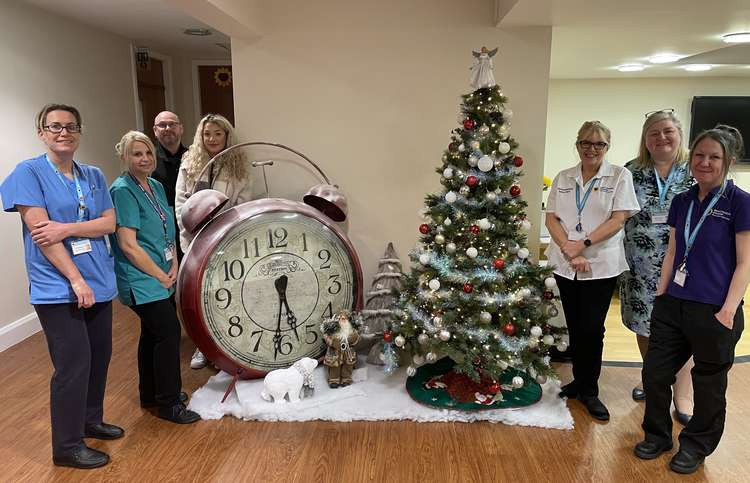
x=613, y=191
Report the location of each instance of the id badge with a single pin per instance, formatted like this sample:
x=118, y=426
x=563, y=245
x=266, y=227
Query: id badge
x=659, y=217
x=680, y=276
x=82, y=245
x=168, y=254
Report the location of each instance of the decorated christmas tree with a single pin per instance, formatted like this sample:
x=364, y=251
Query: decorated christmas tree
x=474, y=295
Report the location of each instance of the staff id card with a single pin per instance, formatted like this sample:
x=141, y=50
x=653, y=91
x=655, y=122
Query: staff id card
x=680, y=276
x=81, y=245
x=659, y=217
x=168, y=256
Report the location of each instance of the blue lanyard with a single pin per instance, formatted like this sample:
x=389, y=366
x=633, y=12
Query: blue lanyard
x=155, y=205
x=690, y=237
x=80, y=200
x=581, y=203
x=664, y=187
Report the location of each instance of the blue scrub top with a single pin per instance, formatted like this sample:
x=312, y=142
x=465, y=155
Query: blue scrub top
x=34, y=183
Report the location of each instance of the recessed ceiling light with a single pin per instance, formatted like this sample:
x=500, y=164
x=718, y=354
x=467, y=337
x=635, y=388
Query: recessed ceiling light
x=737, y=37
x=198, y=32
x=697, y=67
x=631, y=67
x=663, y=58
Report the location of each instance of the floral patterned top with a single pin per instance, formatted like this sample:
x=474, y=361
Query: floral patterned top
x=646, y=245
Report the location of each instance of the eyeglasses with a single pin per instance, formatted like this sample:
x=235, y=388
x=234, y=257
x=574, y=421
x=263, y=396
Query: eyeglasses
x=665, y=111
x=57, y=128
x=599, y=146
x=167, y=125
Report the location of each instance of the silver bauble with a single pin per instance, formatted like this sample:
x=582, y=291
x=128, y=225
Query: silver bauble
x=410, y=371
x=439, y=239
x=399, y=341
x=434, y=284
x=424, y=259
x=450, y=197
x=450, y=247
x=422, y=339
x=445, y=335
x=491, y=196
x=548, y=339
x=472, y=252
x=517, y=382
x=485, y=317
x=431, y=357
x=536, y=331
x=485, y=164
x=448, y=173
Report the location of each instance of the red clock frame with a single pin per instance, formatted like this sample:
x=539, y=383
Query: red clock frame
x=190, y=276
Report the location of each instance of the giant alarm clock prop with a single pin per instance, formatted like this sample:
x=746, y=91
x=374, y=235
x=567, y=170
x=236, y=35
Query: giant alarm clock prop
x=260, y=277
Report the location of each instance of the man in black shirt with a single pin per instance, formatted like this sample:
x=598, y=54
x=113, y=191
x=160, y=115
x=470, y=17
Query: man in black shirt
x=168, y=131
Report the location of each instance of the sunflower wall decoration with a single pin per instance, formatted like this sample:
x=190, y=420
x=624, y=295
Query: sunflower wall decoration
x=223, y=77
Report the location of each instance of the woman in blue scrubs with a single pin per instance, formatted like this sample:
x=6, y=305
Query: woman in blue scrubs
x=67, y=212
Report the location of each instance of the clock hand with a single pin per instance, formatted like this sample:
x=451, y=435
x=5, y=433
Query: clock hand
x=281, y=284
x=291, y=319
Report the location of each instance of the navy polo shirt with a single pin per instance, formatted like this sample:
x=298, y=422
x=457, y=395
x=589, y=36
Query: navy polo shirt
x=713, y=258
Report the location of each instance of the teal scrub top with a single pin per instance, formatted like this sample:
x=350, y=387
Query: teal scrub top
x=134, y=210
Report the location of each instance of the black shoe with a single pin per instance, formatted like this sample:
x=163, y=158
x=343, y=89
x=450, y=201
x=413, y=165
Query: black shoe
x=153, y=404
x=638, y=394
x=685, y=463
x=682, y=418
x=333, y=385
x=569, y=390
x=648, y=450
x=178, y=414
x=103, y=431
x=595, y=407
x=82, y=457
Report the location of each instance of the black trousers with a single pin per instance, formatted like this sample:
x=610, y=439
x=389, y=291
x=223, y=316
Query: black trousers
x=585, y=303
x=80, y=346
x=679, y=329
x=160, y=381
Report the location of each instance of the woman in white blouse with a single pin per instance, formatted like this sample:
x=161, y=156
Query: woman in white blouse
x=586, y=211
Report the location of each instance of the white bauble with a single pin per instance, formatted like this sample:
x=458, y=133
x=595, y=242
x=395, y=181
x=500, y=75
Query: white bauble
x=464, y=190
x=541, y=378
x=439, y=239
x=447, y=222
x=525, y=225
x=472, y=252
x=532, y=342
x=525, y=292
x=503, y=148
x=418, y=359
x=434, y=284
x=536, y=331
x=448, y=173
x=424, y=259
x=410, y=371
x=485, y=317
x=550, y=282
x=399, y=341
x=461, y=147
x=562, y=346
x=517, y=382
x=484, y=129
x=513, y=247
x=444, y=335
x=548, y=339
x=450, y=247
x=474, y=144
x=438, y=321
x=485, y=163
x=423, y=338
x=491, y=196
x=431, y=357
x=451, y=196
x=473, y=160
x=484, y=224
x=523, y=253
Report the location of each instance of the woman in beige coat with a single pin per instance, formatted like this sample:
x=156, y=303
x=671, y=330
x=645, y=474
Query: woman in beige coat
x=229, y=174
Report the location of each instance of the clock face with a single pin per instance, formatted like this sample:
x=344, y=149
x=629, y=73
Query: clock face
x=268, y=285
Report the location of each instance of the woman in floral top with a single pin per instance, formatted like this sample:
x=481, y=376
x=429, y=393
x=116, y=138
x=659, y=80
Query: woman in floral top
x=659, y=172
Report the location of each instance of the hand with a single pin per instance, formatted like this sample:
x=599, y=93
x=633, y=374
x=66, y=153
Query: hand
x=48, y=232
x=573, y=248
x=172, y=273
x=84, y=294
x=726, y=317
x=166, y=280
x=580, y=264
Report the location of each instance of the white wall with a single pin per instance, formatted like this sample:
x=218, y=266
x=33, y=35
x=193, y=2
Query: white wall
x=621, y=104
x=371, y=91
x=46, y=58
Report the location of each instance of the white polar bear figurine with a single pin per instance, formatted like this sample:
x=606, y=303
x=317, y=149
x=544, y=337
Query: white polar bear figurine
x=291, y=381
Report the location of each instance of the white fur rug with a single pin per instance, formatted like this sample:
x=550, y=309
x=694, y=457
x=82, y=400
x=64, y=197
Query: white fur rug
x=373, y=397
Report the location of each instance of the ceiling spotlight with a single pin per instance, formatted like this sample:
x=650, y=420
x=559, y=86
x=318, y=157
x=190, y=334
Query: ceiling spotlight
x=663, y=58
x=736, y=38
x=631, y=67
x=697, y=67
x=198, y=32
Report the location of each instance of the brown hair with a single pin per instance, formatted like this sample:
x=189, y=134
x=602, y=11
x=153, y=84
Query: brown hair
x=591, y=126
x=730, y=140
x=41, y=118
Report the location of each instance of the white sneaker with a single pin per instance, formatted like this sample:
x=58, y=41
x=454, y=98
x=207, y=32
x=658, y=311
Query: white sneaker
x=198, y=361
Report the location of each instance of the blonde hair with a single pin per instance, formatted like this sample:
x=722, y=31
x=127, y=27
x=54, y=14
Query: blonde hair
x=591, y=126
x=124, y=147
x=196, y=157
x=644, y=159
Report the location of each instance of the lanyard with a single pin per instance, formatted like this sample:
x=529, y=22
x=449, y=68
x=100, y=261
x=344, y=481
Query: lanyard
x=581, y=203
x=80, y=200
x=690, y=237
x=664, y=187
x=155, y=205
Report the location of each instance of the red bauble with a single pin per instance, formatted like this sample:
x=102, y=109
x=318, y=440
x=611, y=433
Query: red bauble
x=453, y=147
x=494, y=388
x=518, y=161
x=498, y=263
x=424, y=228
x=509, y=329
x=388, y=336
x=468, y=124
x=548, y=295
x=515, y=191
x=474, y=229
x=468, y=288
x=471, y=181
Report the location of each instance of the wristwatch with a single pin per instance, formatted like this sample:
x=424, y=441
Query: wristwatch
x=587, y=242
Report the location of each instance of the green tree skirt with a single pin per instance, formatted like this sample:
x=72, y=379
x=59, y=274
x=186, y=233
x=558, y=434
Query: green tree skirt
x=438, y=397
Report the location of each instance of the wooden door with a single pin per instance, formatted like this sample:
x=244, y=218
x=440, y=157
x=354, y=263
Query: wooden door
x=216, y=87
x=151, y=93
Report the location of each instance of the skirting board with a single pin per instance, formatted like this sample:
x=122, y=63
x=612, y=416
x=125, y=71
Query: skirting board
x=19, y=330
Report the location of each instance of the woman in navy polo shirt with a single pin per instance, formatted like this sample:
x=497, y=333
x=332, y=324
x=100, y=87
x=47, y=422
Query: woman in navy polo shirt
x=698, y=306
x=66, y=213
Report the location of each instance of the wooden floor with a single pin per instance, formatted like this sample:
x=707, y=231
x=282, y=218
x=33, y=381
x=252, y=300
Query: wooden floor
x=231, y=450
